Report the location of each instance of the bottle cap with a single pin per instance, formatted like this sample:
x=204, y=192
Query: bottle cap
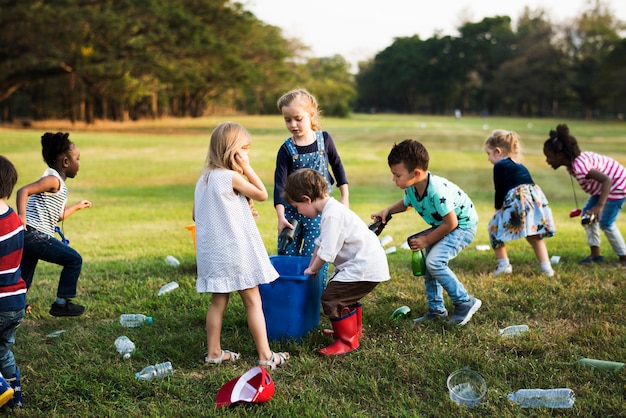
x=149, y=320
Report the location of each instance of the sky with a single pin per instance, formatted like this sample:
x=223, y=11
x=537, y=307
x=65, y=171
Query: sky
x=359, y=29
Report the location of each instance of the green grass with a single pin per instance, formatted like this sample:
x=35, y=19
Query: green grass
x=140, y=178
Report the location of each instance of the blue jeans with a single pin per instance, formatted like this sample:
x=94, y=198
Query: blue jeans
x=606, y=223
x=8, y=322
x=438, y=275
x=40, y=246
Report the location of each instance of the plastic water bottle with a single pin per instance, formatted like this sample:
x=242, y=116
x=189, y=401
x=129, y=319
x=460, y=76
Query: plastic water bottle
x=124, y=346
x=168, y=287
x=551, y=398
x=157, y=371
x=134, y=320
x=418, y=263
x=170, y=260
x=514, y=330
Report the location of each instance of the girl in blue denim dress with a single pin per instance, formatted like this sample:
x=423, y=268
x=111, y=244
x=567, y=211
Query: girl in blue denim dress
x=522, y=209
x=308, y=147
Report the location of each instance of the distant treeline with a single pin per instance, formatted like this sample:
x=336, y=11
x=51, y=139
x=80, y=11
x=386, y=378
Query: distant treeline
x=84, y=60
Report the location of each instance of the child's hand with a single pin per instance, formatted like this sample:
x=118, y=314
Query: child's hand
x=243, y=160
x=309, y=271
x=83, y=204
x=418, y=243
x=382, y=215
x=282, y=224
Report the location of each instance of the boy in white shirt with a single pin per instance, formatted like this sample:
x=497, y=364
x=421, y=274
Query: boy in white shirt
x=345, y=240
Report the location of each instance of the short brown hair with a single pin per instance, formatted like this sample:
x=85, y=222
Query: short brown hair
x=411, y=153
x=8, y=177
x=305, y=182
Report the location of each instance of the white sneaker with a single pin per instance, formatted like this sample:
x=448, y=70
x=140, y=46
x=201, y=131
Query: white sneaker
x=503, y=270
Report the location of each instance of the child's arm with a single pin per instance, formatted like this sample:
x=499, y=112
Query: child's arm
x=390, y=210
x=83, y=204
x=315, y=264
x=450, y=222
x=49, y=184
x=345, y=194
x=607, y=182
x=253, y=187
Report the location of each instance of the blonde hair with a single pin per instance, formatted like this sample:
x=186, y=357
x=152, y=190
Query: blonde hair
x=507, y=141
x=226, y=140
x=305, y=100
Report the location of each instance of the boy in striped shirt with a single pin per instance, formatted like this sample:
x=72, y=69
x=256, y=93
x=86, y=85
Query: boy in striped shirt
x=12, y=286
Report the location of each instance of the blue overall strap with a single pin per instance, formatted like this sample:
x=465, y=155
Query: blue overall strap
x=291, y=147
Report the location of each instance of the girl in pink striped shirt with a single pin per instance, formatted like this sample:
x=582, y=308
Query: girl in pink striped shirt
x=603, y=178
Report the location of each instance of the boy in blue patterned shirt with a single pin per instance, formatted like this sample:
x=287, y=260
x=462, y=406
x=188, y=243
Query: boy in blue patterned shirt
x=453, y=219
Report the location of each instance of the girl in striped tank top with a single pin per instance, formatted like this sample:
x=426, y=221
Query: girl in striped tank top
x=603, y=178
x=40, y=206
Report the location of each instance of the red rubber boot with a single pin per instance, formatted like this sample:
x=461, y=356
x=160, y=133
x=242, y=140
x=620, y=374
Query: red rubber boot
x=359, y=320
x=346, y=337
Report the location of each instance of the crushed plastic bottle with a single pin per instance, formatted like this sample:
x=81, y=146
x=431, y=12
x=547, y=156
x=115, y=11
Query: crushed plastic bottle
x=170, y=260
x=599, y=364
x=514, y=330
x=550, y=398
x=55, y=334
x=134, y=320
x=168, y=287
x=124, y=346
x=158, y=371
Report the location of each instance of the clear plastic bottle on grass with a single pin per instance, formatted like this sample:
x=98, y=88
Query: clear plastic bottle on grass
x=157, y=371
x=550, y=398
x=124, y=346
x=134, y=320
x=514, y=330
x=168, y=288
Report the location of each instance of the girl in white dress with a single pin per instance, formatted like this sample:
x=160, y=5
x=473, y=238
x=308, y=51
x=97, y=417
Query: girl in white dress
x=230, y=253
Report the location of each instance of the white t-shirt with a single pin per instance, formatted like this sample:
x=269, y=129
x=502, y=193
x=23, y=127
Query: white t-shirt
x=346, y=241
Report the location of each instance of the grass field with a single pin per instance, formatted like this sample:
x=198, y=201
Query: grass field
x=140, y=178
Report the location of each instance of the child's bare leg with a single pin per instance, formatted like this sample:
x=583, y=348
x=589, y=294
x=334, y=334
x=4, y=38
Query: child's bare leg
x=501, y=253
x=214, y=325
x=503, y=267
x=539, y=246
x=541, y=252
x=256, y=321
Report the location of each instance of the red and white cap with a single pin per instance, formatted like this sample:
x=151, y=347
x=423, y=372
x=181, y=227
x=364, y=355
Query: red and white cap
x=255, y=385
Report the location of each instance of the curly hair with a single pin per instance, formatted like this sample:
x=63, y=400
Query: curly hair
x=54, y=145
x=561, y=142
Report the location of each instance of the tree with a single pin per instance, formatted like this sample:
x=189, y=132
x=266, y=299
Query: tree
x=588, y=43
x=531, y=82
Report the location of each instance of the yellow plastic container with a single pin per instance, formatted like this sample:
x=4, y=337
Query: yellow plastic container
x=192, y=229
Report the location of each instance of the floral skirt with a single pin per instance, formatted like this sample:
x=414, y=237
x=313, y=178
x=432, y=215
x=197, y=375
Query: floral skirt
x=524, y=213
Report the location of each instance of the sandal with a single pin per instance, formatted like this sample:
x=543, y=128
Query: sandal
x=277, y=359
x=218, y=360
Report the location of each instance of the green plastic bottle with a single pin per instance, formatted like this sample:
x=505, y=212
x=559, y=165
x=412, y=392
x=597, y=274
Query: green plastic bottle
x=418, y=263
